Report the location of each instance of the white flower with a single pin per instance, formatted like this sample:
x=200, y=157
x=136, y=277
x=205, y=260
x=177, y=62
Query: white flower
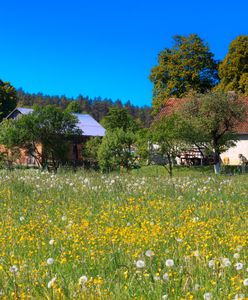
x=211, y=263
x=63, y=218
x=245, y=282
x=239, y=266
x=51, y=242
x=197, y=287
x=51, y=282
x=156, y=278
x=239, y=297
x=226, y=262
x=236, y=255
x=179, y=240
x=13, y=269
x=169, y=263
x=207, y=296
x=21, y=218
x=50, y=261
x=164, y=297
x=195, y=219
x=140, y=264
x=83, y=279
x=166, y=276
x=149, y=253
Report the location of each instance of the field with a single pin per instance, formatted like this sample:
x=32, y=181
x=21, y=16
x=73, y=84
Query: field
x=141, y=235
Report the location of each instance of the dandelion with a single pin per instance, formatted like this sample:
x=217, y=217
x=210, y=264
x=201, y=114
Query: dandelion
x=166, y=277
x=51, y=242
x=226, y=262
x=211, y=263
x=82, y=280
x=149, y=253
x=169, y=263
x=13, y=269
x=50, y=261
x=239, y=297
x=245, y=282
x=140, y=264
x=239, y=266
x=51, y=282
x=207, y=296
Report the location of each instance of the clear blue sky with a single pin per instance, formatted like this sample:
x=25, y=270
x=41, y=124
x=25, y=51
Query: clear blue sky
x=105, y=48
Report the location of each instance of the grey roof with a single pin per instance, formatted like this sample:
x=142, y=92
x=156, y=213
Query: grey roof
x=86, y=123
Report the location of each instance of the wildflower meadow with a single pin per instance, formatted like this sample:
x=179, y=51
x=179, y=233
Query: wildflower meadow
x=137, y=235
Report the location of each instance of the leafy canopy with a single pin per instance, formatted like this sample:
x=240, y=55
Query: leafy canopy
x=187, y=66
x=233, y=70
x=8, y=99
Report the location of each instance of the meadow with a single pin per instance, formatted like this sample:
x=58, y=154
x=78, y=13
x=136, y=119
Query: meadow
x=138, y=235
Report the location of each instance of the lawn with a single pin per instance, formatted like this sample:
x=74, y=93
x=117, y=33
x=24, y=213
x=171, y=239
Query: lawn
x=138, y=235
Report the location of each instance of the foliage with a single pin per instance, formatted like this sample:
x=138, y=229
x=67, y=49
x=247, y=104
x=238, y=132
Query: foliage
x=98, y=107
x=89, y=230
x=8, y=99
x=119, y=118
x=90, y=148
x=210, y=121
x=233, y=70
x=166, y=135
x=188, y=65
x=49, y=126
x=74, y=107
x=115, y=151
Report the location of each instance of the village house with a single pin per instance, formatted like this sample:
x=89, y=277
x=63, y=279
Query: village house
x=89, y=126
x=236, y=155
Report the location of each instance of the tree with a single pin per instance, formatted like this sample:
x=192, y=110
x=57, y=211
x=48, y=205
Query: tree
x=49, y=126
x=209, y=120
x=74, y=107
x=165, y=134
x=233, y=70
x=188, y=65
x=8, y=99
x=119, y=118
x=115, y=151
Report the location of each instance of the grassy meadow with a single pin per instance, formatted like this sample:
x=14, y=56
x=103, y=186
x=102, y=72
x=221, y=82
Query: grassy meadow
x=138, y=235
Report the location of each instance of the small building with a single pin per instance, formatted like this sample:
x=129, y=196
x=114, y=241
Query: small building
x=89, y=126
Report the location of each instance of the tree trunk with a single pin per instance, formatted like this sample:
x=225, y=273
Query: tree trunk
x=216, y=162
x=170, y=164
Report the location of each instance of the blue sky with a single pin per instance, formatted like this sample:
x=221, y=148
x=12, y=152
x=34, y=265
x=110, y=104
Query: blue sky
x=105, y=48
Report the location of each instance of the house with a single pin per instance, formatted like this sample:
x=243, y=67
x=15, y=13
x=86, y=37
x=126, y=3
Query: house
x=89, y=126
x=233, y=156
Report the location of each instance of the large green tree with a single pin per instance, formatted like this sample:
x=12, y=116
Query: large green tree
x=8, y=99
x=187, y=66
x=119, y=118
x=233, y=70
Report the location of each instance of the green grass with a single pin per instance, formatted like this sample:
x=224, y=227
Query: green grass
x=99, y=226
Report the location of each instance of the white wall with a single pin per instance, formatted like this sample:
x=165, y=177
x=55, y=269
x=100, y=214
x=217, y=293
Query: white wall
x=233, y=152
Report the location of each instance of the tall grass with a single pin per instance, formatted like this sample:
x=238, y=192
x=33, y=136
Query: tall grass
x=86, y=235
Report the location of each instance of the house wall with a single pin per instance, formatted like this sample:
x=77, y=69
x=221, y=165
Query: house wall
x=232, y=154
x=24, y=158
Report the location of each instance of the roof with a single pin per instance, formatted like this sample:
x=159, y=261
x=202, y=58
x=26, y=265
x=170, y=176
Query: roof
x=86, y=123
x=173, y=104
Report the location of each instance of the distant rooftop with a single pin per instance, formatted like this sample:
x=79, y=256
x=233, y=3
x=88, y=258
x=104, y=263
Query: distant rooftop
x=86, y=123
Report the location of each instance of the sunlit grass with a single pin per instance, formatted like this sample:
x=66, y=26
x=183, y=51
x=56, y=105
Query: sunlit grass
x=88, y=235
